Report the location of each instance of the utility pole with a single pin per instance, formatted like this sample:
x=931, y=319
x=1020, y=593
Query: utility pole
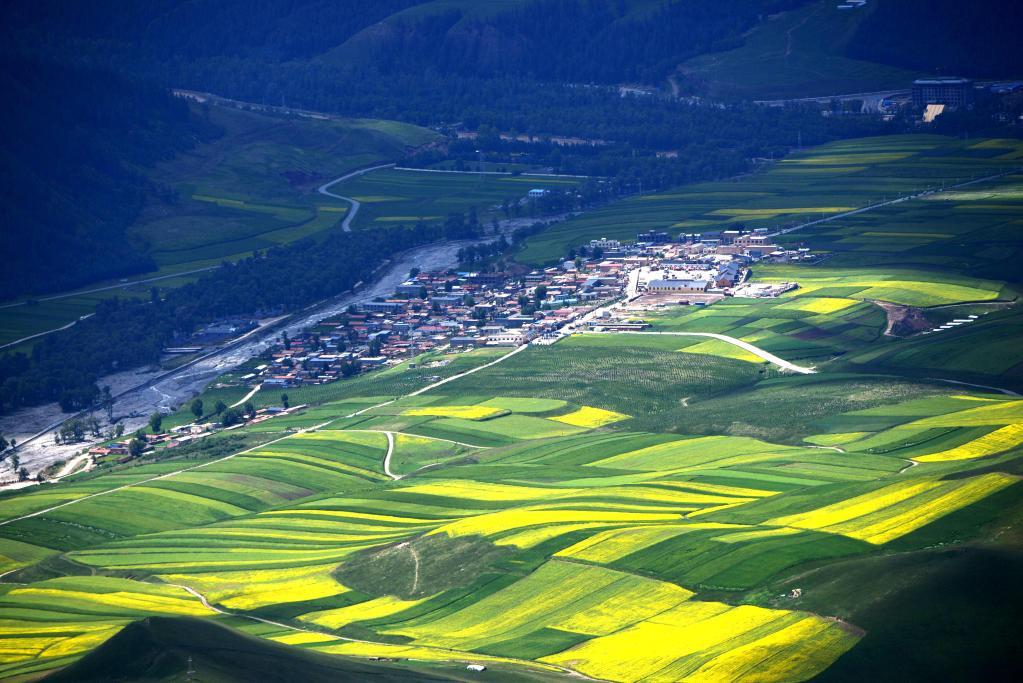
x=191, y=669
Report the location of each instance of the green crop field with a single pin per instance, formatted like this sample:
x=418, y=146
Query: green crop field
x=395, y=196
x=618, y=506
x=797, y=53
x=262, y=189
x=805, y=186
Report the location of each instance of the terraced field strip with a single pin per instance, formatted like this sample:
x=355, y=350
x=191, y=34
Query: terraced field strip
x=376, y=649
x=898, y=200
x=158, y=477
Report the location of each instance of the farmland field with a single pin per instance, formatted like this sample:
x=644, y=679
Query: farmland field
x=617, y=506
x=394, y=196
x=805, y=186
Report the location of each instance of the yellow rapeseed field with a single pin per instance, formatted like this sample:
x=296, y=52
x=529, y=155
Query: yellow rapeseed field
x=781, y=656
x=482, y=490
x=893, y=511
x=158, y=604
x=521, y=518
x=819, y=304
x=639, y=601
x=463, y=412
x=304, y=638
x=534, y=537
x=591, y=418
x=371, y=609
x=958, y=497
x=614, y=544
x=644, y=649
x=1001, y=413
x=997, y=441
x=716, y=347
x=251, y=589
x=855, y=507
x=83, y=642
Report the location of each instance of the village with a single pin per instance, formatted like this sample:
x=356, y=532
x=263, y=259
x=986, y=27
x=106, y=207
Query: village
x=605, y=287
x=452, y=310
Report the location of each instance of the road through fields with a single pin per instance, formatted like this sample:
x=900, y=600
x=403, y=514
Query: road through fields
x=324, y=189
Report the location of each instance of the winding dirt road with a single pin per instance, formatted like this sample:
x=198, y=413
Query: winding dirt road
x=324, y=189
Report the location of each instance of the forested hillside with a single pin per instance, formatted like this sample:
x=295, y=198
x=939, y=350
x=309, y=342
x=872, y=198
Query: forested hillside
x=604, y=41
x=73, y=140
x=979, y=39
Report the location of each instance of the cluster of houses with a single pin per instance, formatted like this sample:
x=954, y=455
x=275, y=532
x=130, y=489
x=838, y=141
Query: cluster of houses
x=434, y=310
x=448, y=310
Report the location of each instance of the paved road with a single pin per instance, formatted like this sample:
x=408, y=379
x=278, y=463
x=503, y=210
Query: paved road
x=766, y=355
x=324, y=189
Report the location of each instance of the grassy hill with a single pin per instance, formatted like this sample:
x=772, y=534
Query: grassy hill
x=797, y=53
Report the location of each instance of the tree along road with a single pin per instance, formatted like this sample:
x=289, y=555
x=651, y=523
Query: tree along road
x=746, y=346
x=324, y=189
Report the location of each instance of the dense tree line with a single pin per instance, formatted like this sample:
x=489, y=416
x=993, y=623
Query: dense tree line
x=64, y=366
x=654, y=144
x=72, y=141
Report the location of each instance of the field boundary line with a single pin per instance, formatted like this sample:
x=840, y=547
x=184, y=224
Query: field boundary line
x=418, y=436
x=387, y=457
x=468, y=372
x=105, y=288
x=1007, y=392
x=508, y=173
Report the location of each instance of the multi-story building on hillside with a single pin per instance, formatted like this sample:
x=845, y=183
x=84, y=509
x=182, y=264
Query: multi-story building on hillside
x=953, y=92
